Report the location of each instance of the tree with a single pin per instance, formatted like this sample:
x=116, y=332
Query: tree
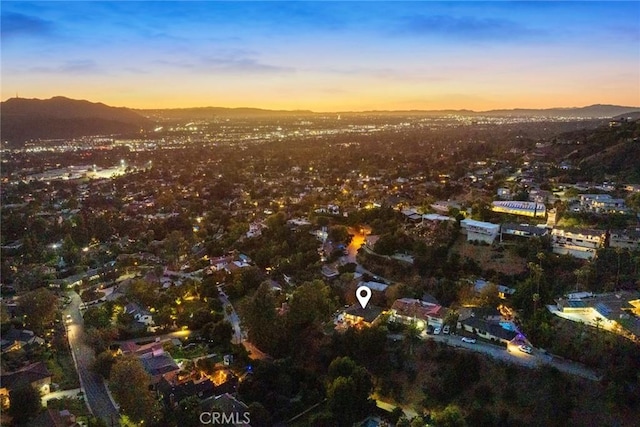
x=188, y=412
x=129, y=383
x=260, y=417
x=310, y=303
x=413, y=336
x=103, y=364
x=25, y=403
x=261, y=318
x=450, y=417
x=96, y=317
x=348, y=391
x=218, y=333
x=39, y=308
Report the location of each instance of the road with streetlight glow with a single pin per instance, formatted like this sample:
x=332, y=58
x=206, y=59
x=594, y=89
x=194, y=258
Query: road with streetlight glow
x=512, y=354
x=92, y=384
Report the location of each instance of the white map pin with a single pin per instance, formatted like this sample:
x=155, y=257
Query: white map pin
x=363, y=294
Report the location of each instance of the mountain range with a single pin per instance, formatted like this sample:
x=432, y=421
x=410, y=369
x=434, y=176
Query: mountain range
x=59, y=117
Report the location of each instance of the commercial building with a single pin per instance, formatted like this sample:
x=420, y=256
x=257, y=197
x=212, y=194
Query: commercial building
x=531, y=209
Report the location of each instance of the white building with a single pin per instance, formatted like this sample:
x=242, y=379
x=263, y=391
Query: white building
x=479, y=230
x=580, y=243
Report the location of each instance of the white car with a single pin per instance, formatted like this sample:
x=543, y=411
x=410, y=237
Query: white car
x=446, y=329
x=469, y=340
x=436, y=331
x=526, y=349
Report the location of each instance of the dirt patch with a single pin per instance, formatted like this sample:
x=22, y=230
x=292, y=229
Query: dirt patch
x=496, y=258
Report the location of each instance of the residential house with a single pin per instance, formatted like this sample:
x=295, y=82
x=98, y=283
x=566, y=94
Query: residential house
x=436, y=218
x=35, y=374
x=504, y=193
x=602, y=203
x=423, y=313
x=172, y=392
x=330, y=272
x=227, y=409
x=255, y=229
x=376, y=287
x=140, y=314
x=521, y=230
x=54, y=418
x=504, y=292
x=611, y=311
x=491, y=329
x=625, y=239
x=359, y=317
x=580, y=243
x=15, y=339
x=158, y=365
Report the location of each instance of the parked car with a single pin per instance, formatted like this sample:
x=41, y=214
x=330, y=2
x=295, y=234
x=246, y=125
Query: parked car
x=469, y=340
x=446, y=329
x=526, y=349
x=436, y=331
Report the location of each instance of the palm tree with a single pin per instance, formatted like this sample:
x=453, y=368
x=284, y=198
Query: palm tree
x=413, y=335
x=536, y=270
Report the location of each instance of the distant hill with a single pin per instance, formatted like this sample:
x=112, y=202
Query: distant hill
x=592, y=111
x=59, y=117
x=597, y=110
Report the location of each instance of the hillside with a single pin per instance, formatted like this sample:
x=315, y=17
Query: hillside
x=599, y=152
x=59, y=117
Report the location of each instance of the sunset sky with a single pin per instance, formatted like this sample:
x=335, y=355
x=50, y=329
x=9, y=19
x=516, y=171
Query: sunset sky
x=324, y=56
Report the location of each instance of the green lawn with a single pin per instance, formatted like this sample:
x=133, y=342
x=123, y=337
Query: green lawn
x=64, y=372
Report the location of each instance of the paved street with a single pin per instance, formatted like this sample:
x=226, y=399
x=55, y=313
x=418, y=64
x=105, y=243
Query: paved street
x=513, y=355
x=91, y=383
x=238, y=336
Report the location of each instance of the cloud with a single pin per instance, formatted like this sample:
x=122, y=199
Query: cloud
x=18, y=24
x=465, y=28
x=236, y=63
x=80, y=66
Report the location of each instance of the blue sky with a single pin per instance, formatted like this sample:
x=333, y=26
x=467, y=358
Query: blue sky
x=324, y=56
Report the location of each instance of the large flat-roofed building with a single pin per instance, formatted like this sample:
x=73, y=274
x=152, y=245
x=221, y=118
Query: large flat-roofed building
x=532, y=209
x=580, y=243
x=479, y=230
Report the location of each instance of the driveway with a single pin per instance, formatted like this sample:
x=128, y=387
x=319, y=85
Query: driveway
x=92, y=384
